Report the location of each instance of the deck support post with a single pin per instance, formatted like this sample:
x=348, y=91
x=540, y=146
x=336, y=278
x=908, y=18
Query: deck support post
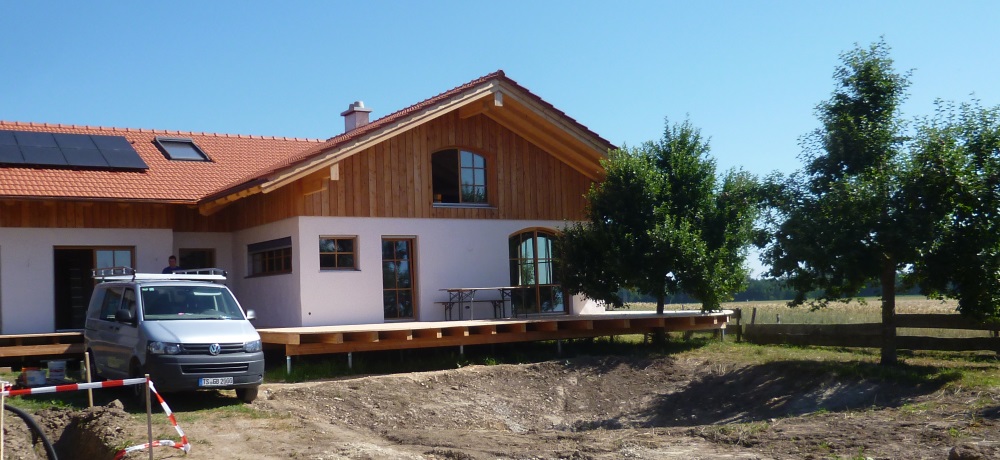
x=559, y=347
x=350, y=360
x=288, y=365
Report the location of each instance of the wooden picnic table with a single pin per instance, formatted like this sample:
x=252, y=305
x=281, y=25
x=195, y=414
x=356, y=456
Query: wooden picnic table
x=465, y=297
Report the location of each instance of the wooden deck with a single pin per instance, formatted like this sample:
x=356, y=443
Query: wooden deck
x=320, y=340
x=50, y=344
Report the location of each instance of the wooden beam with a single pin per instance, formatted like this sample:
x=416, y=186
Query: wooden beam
x=481, y=105
x=546, y=141
x=404, y=334
x=41, y=350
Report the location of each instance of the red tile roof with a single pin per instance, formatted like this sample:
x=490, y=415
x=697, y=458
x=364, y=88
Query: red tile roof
x=237, y=160
x=233, y=156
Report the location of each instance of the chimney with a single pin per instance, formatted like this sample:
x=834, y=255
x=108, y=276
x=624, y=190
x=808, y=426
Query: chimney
x=355, y=116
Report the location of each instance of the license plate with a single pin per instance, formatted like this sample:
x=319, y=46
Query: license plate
x=215, y=381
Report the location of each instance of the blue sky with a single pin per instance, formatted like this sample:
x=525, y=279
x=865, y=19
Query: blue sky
x=748, y=73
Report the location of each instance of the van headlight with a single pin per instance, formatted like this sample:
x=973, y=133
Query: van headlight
x=252, y=346
x=164, y=348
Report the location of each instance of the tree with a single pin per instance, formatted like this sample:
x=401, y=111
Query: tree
x=845, y=220
x=957, y=174
x=661, y=223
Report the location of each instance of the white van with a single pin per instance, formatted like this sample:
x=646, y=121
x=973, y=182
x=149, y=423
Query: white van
x=183, y=329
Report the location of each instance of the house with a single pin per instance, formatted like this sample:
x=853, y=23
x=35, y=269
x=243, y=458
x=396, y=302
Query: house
x=467, y=188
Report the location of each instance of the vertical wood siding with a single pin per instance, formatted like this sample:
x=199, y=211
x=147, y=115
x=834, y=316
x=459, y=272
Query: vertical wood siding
x=390, y=179
x=393, y=179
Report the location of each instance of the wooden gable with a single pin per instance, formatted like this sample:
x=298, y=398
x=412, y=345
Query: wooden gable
x=393, y=179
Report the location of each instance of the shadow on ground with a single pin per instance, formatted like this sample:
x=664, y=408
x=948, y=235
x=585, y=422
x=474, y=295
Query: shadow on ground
x=783, y=389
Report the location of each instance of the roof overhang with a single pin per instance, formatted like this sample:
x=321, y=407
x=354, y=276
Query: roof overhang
x=499, y=99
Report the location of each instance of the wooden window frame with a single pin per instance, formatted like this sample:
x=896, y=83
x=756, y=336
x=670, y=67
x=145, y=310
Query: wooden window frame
x=336, y=254
x=516, y=262
x=275, y=258
x=412, y=262
x=461, y=167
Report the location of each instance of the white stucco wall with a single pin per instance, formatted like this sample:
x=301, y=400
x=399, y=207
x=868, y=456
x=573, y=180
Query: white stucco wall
x=27, y=294
x=275, y=298
x=449, y=253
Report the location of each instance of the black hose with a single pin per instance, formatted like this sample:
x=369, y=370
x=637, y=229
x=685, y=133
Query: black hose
x=37, y=430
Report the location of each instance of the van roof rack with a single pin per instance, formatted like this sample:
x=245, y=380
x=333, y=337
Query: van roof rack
x=129, y=274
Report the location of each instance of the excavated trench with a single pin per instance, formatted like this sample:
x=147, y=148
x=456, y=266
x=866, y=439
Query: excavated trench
x=97, y=433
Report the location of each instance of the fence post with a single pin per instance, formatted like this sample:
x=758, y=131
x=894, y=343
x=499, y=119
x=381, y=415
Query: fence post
x=739, y=324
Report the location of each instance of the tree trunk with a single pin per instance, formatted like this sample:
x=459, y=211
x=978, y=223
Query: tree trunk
x=888, y=280
x=660, y=301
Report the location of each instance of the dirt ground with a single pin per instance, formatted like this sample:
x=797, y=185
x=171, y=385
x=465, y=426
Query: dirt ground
x=608, y=407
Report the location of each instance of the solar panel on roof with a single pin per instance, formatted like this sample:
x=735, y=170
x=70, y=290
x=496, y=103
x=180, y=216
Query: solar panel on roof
x=124, y=159
x=112, y=143
x=10, y=154
x=43, y=156
x=85, y=157
x=7, y=138
x=73, y=141
x=30, y=148
x=33, y=139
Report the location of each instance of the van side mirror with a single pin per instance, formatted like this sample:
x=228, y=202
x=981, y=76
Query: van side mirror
x=251, y=315
x=124, y=316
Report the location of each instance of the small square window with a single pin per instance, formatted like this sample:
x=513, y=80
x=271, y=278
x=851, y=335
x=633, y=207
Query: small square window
x=338, y=253
x=175, y=148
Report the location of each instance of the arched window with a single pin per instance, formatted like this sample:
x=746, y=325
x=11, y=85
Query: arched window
x=459, y=177
x=532, y=265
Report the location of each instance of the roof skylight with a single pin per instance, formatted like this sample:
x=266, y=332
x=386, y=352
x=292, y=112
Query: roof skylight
x=177, y=148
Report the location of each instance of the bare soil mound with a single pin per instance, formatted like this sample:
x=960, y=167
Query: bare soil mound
x=587, y=408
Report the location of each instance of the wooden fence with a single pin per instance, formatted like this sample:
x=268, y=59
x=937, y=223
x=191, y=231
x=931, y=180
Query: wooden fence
x=870, y=334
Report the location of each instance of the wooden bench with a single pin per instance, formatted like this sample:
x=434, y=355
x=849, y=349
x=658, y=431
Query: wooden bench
x=499, y=308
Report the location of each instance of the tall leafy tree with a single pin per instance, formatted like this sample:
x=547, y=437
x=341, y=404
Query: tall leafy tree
x=661, y=223
x=956, y=166
x=844, y=219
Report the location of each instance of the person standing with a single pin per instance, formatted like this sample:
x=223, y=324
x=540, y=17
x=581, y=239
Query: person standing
x=172, y=260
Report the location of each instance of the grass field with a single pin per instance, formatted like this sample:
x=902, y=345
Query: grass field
x=868, y=310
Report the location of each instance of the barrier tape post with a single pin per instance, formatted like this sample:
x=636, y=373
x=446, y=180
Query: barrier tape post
x=183, y=445
x=90, y=393
x=2, y=410
x=149, y=415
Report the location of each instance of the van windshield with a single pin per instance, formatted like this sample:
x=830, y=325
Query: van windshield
x=165, y=303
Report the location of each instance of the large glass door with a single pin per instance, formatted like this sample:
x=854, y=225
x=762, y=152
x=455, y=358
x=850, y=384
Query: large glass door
x=532, y=266
x=73, y=281
x=397, y=278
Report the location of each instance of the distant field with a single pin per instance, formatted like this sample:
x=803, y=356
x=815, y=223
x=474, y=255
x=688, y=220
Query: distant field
x=772, y=312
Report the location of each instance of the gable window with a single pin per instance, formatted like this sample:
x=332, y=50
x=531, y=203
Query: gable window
x=459, y=177
x=179, y=148
x=532, y=267
x=338, y=252
x=272, y=257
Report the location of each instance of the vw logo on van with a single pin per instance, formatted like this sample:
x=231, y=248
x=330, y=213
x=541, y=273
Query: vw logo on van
x=214, y=349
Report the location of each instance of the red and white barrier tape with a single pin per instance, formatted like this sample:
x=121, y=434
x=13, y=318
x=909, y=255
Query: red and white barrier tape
x=183, y=445
x=75, y=386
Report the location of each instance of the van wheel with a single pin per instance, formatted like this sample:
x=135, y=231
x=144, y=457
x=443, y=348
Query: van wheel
x=95, y=373
x=136, y=391
x=247, y=395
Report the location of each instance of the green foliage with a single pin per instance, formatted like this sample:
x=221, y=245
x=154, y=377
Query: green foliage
x=843, y=221
x=661, y=223
x=957, y=173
